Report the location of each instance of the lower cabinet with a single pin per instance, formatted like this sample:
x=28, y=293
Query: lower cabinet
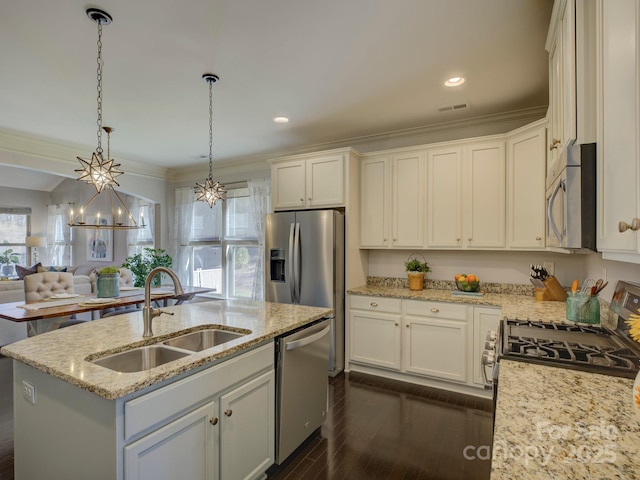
x=232, y=435
x=435, y=340
x=420, y=339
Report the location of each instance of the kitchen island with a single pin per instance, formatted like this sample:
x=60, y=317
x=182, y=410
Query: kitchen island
x=77, y=419
x=553, y=423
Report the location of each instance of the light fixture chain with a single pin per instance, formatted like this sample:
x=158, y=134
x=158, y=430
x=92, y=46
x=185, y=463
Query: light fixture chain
x=210, y=129
x=99, y=88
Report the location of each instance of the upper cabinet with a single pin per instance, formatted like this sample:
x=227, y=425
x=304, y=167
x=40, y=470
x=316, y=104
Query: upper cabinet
x=392, y=201
x=466, y=196
x=309, y=181
x=526, y=187
x=561, y=45
x=618, y=130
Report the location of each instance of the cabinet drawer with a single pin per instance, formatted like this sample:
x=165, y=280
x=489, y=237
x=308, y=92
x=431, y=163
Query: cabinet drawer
x=435, y=309
x=376, y=304
x=164, y=404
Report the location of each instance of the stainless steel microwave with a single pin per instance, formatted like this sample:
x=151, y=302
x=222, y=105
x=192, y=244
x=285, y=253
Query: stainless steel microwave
x=571, y=199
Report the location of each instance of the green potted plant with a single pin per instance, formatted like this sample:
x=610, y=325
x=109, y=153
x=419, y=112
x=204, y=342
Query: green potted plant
x=416, y=270
x=6, y=259
x=108, y=282
x=141, y=264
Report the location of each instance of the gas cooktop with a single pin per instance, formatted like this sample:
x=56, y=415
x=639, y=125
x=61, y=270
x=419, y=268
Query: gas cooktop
x=588, y=348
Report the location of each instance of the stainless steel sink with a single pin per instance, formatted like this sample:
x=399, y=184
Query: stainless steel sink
x=139, y=359
x=203, y=339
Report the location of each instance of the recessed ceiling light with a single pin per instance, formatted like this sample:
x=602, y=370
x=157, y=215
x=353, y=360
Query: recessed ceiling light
x=454, y=81
x=281, y=120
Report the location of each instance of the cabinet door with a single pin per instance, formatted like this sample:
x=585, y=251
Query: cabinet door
x=408, y=201
x=375, y=339
x=484, y=320
x=526, y=155
x=375, y=202
x=435, y=347
x=247, y=429
x=444, y=202
x=325, y=181
x=484, y=195
x=185, y=448
x=555, y=103
x=288, y=185
x=618, y=161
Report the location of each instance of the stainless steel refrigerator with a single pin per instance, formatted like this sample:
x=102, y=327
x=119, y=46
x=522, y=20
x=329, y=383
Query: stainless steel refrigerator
x=305, y=265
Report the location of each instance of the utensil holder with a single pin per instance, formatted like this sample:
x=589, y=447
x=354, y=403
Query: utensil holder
x=554, y=291
x=583, y=308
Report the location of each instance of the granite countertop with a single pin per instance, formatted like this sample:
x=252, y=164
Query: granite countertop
x=556, y=423
x=512, y=305
x=62, y=353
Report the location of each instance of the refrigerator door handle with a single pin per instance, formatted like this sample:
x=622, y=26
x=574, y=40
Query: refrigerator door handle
x=307, y=340
x=290, y=269
x=296, y=263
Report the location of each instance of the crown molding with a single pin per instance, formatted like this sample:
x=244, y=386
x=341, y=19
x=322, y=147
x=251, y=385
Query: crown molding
x=28, y=150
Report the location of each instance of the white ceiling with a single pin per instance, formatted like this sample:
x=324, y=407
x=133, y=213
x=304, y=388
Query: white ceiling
x=340, y=69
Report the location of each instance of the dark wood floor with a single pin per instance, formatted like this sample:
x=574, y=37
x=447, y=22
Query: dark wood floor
x=375, y=429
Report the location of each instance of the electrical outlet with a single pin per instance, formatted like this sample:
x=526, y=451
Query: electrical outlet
x=29, y=392
x=550, y=267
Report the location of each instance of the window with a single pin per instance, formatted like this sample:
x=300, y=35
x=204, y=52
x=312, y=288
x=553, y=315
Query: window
x=59, y=236
x=15, y=225
x=140, y=238
x=222, y=249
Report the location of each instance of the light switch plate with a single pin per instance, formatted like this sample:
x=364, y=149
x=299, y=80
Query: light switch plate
x=29, y=392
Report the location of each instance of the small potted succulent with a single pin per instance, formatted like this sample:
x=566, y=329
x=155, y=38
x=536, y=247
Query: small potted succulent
x=108, y=283
x=416, y=270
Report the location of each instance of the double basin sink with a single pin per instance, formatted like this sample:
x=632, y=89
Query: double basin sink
x=150, y=356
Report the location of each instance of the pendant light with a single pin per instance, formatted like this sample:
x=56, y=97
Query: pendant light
x=98, y=171
x=210, y=191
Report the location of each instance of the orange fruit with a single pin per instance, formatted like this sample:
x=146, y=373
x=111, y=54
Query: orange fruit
x=472, y=278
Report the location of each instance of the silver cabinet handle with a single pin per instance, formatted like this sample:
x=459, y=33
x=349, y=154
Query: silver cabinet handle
x=302, y=199
x=309, y=198
x=228, y=413
x=624, y=226
x=213, y=421
x=435, y=310
x=538, y=238
x=457, y=239
x=396, y=324
x=470, y=239
x=554, y=144
x=374, y=304
x=408, y=326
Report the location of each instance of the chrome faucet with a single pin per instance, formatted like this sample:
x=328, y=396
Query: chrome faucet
x=148, y=312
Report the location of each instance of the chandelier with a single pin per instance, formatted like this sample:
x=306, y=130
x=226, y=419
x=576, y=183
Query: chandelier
x=99, y=171
x=210, y=191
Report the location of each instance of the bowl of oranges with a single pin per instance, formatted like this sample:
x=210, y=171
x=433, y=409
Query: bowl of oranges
x=467, y=282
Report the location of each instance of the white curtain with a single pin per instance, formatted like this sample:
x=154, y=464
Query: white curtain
x=58, y=249
x=260, y=194
x=182, y=233
x=139, y=238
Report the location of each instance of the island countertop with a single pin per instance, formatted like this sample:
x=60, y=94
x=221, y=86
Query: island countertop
x=557, y=423
x=62, y=353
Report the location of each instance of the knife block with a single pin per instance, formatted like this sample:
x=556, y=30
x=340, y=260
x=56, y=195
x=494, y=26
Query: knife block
x=553, y=291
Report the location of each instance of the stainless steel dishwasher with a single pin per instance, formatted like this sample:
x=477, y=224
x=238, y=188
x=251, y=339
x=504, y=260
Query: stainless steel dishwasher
x=302, y=385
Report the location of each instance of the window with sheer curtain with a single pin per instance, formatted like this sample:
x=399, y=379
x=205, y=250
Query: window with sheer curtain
x=221, y=247
x=140, y=238
x=59, y=237
x=15, y=225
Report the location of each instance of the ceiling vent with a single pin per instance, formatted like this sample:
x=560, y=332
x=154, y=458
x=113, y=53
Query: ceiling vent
x=457, y=106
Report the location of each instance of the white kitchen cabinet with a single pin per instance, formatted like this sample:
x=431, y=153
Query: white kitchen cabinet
x=444, y=197
x=310, y=181
x=466, y=196
x=185, y=448
x=435, y=340
x=247, y=441
x=485, y=319
x=374, y=331
x=618, y=144
x=526, y=171
x=561, y=45
x=392, y=201
x=375, y=202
